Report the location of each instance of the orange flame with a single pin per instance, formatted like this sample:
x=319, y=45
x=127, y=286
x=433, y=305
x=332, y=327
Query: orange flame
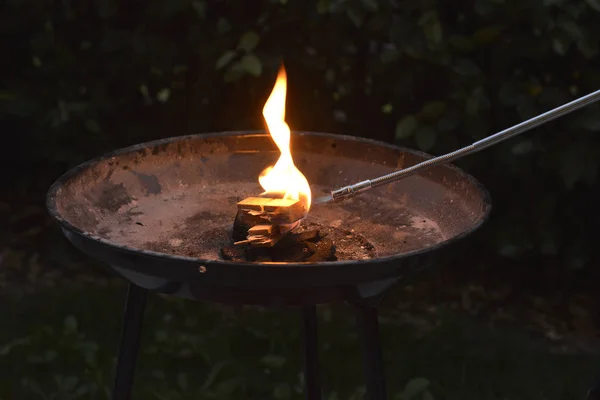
x=283, y=177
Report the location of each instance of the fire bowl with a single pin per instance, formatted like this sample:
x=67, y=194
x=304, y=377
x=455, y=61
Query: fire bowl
x=159, y=213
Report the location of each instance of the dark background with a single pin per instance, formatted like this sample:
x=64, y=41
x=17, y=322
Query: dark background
x=79, y=78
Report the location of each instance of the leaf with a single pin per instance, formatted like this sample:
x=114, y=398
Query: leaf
x=462, y=43
x=77, y=106
x=588, y=47
x=200, y=8
x=387, y=108
x=560, y=45
x=223, y=26
x=510, y=250
x=273, y=361
x=252, y=65
x=448, y=123
x=282, y=391
x=234, y=73
x=406, y=127
x=7, y=96
x=92, y=126
x=571, y=28
x=389, y=54
x=69, y=383
x=370, y=5
x=212, y=375
x=509, y=94
x=163, y=95
x=433, y=110
x=433, y=31
x=414, y=387
x=182, y=381
x=249, y=41
x=356, y=16
x=486, y=35
x=595, y=4
x=466, y=67
x=7, y=348
x=425, y=138
x=225, y=59
x=323, y=6
x=483, y=7
x=472, y=106
x=70, y=324
x=523, y=147
x=427, y=396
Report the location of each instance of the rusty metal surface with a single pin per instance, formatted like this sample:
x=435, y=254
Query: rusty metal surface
x=170, y=204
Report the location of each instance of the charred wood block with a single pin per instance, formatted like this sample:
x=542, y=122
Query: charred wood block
x=311, y=236
x=290, y=251
x=240, y=227
x=325, y=251
x=257, y=230
x=285, y=218
x=262, y=218
x=252, y=219
x=311, y=247
x=279, y=205
x=264, y=240
x=253, y=203
x=279, y=211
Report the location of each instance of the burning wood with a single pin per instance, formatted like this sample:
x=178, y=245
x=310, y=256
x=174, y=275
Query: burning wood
x=270, y=211
x=266, y=220
x=307, y=246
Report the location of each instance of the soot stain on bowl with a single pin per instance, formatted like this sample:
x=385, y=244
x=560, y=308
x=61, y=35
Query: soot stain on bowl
x=112, y=197
x=150, y=183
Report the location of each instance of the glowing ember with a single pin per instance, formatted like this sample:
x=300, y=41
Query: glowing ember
x=283, y=177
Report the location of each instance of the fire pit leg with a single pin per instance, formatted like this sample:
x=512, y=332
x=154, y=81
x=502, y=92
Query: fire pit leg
x=372, y=358
x=311, y=353
x=130, y=339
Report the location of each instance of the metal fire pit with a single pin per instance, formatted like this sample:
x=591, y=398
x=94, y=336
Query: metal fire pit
x=158, y=213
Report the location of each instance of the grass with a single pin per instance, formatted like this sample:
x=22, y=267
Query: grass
x=61, y=344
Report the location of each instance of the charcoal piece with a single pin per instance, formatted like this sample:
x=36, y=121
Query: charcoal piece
x=240, y=227
x=257, y=253
x=311, y=235
x=325, y=251
x=233, y=253
x=286, y=241
x=298, y=253
x=311, y=247
x=289, y=250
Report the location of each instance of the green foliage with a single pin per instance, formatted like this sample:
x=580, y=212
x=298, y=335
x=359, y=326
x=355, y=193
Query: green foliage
x=191, y=350
x=85, y=78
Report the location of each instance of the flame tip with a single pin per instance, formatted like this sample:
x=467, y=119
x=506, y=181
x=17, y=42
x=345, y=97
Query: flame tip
x=283, y=177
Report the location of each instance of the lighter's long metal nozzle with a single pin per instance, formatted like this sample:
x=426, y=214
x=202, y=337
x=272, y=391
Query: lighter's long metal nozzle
x=352, y=190
x=349, y=191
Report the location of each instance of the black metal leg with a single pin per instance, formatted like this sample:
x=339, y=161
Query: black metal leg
x=311, y=353
x=130, y=340
x=372, y=358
